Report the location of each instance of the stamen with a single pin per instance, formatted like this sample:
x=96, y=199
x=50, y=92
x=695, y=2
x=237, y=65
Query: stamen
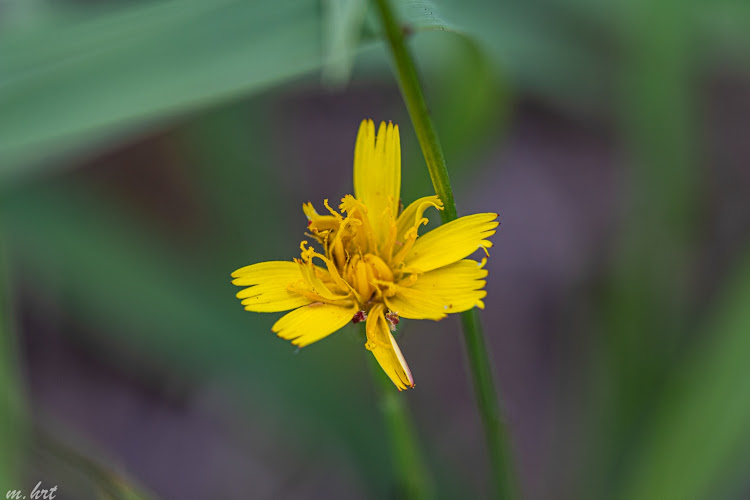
x=390, y=287
x=333, y=212
x=383, y=270
x=409, y=281
x=356, y=209
x=409, y=238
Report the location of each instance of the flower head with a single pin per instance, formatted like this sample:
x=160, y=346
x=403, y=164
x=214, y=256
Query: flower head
x=372, y=265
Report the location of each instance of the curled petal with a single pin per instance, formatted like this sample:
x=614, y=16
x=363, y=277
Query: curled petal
x=383, y=346
x=413, y=215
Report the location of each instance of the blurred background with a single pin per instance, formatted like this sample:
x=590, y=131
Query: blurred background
x=148, y=148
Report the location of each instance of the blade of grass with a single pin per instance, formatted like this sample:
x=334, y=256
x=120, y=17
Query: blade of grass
x=479, y=362
x=59, y=457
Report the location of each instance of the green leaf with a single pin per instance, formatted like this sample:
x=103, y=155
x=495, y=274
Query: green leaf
x=343, y=25
x=86, y=78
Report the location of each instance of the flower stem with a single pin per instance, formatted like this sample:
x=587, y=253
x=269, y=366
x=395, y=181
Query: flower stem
x=412, y=478
x=406, y=73
x=412, y=481
x=481, y=368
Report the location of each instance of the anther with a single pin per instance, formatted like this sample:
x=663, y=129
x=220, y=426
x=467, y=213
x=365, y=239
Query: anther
x=359, y=317
x=392, y=319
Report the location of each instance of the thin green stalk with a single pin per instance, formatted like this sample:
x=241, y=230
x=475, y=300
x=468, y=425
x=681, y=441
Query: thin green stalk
x=411, y=90
x=411, y=476
x=61, y=459
x=481, y=368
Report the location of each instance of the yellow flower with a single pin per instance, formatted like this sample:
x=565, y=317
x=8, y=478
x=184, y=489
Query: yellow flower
x=374, y=266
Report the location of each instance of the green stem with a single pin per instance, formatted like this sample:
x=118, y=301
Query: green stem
x=410, y=472
x=481, y=368
x=406, y=73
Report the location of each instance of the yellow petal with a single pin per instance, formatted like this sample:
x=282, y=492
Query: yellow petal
x=451, y=242
x=268, y=284
x=412, y=303
x=312, y=322
x=459, y=286
x=386, y=351
x=377, y=173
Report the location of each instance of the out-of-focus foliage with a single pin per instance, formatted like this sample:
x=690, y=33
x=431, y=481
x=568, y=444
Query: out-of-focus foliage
x=12, y=414
x=699, y=428
x=78, y=78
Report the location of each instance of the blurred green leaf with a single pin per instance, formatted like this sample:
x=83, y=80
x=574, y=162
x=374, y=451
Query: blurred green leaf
x=12, y=411
x=469, y=95
x=701, y=424
x=86, y=78
x=227, y=159
x=343, y=25
x=546, y=54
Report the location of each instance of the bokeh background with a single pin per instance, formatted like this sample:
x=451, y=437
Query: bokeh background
x=150, y=147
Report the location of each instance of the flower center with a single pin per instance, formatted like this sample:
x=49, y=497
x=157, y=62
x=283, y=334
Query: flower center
x=363, y=252
x=365, y=274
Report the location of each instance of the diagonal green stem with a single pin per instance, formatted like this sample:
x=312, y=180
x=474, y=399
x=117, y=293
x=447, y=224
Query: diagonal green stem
x=411, y=90
x=481, y=368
